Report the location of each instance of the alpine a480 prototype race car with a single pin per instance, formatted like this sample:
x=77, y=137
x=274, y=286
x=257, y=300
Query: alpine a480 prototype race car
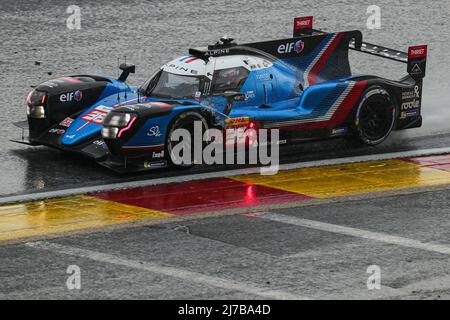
x=301, y=85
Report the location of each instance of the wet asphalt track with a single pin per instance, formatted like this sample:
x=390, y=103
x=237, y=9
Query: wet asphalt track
x=239, y=257
x=49, y=170
x=254, y=255
x=152, y=32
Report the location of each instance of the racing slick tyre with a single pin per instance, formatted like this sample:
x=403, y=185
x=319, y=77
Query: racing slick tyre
x=375, y=117
x=178, y=147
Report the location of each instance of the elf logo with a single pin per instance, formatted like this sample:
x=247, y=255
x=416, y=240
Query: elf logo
x=298, y=47
x=70, y=96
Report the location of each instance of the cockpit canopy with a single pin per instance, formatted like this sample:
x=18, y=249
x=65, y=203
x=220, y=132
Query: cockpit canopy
x=185, y=77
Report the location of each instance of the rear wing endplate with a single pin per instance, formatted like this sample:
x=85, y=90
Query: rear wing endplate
x=416, y=57
x=417, y=61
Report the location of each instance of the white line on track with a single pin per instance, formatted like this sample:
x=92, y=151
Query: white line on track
x=217, y=174
x=182, y=274
x=359, y=233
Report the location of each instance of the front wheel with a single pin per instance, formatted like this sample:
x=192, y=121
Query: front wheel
x=180, y=147
x=375, y=117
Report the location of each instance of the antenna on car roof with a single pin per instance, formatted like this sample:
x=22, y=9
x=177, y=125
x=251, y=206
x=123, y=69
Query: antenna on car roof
x=118, y=90
x=126, y=96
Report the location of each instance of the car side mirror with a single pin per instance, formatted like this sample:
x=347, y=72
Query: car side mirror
x=126, y=70
x=232, y=97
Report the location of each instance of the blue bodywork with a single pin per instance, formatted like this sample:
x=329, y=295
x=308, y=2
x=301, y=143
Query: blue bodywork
x=301, y=85
x=281, y=87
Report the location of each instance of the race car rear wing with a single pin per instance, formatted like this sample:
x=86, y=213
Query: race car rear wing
x=416, y=57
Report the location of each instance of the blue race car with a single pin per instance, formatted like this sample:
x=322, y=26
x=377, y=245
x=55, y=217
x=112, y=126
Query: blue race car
x=302, y=86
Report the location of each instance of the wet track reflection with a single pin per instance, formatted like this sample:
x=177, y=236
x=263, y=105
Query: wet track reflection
x=41, y=218
x=43, y=48
x=47, y=169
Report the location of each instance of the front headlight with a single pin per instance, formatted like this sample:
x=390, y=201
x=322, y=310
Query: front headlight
x=37, y=112
x=36, y=98
x=36, y=101
x=110, y=132
x=116, y=123
x=118, y=120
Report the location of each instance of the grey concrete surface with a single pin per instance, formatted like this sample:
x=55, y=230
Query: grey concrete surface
x=251, y=253
x=151, y=32
x=232, y=255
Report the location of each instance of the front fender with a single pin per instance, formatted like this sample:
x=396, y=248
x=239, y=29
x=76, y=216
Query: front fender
x=149, y=132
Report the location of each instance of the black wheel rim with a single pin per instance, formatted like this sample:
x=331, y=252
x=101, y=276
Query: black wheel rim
x=375, y=120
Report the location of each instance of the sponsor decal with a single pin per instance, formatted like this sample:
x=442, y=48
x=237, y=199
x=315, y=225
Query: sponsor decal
x=96, y=115
x=285, y=48
x=411, y=99
x=71, y=136
x=176, y=67
x=267, y=144
x=57, y=131
x=100, y=143
x=233, y=122
x=411, y=94
x=263, y=76
x=216, y=52
x=415, y=104
x=159, y=164
x=297, y=46
x=67, y=122
x=339, y=131
x=418, y=52
x=183, y=68
x=250, y=95
x=154, y=132
x=158, y=155
x=409, y=114
x=71, y=96
x=303, y=23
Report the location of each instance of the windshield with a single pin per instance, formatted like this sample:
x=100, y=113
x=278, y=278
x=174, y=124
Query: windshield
x=175, y=86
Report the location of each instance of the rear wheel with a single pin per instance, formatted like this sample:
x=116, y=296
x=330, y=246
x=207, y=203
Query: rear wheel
x=375, y=117
x=180, y=151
